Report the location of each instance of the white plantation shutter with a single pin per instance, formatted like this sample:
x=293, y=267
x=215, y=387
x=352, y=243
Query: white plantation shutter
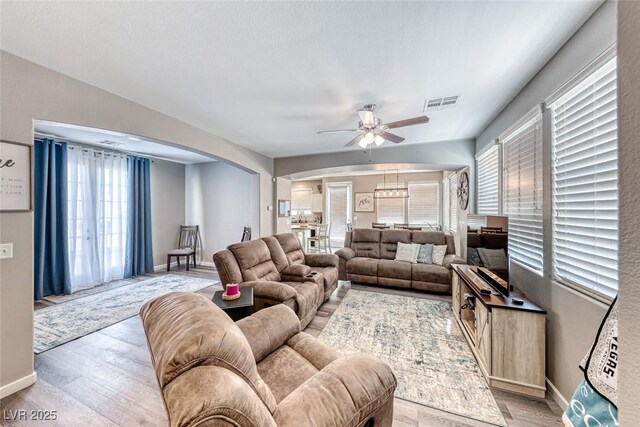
x=339, y=208
x=301, y=199
x=424, y=203
x=453, y=200
x=390, y=211
x=446, y=205
x=522, y=189
x=585, y=183
x=488, y=181
x=476, y=222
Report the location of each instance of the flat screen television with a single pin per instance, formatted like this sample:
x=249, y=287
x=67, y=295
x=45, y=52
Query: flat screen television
x=494, y=281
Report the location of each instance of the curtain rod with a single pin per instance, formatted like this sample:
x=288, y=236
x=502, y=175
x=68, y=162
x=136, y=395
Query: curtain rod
x=84, y=145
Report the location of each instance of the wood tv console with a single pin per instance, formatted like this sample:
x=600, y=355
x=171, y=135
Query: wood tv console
x=507, y=340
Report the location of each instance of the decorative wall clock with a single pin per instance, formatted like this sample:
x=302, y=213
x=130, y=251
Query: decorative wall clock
x=463, y=190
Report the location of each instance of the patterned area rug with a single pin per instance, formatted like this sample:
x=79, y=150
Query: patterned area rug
x=73, y=319
x=424, y=346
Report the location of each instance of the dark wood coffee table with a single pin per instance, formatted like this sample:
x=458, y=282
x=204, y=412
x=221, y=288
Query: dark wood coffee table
x=238, y=308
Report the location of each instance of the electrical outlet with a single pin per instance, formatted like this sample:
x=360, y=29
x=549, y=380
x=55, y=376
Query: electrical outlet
x=6, y=250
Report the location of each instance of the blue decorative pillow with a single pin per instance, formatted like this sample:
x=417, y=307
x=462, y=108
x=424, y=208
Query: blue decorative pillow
x=473, y=257
x=426, y=253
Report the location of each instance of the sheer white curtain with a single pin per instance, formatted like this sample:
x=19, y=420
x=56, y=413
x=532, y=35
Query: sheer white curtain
x=97, y=192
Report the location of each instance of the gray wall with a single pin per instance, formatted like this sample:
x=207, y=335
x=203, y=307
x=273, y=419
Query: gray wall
x=445, y=155
x=167, y=207
x=221, y=199
x=367, y=183
x=30, y=92
x=573, y=318
x=629, y=129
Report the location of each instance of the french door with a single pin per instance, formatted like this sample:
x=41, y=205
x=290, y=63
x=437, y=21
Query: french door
x=338, y=211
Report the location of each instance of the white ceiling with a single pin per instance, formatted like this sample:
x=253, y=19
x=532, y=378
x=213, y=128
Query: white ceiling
x=268, y=75
x=123, y=142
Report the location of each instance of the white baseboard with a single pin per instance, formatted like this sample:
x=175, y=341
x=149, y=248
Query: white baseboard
x=163, y=267
x=557, y=396
x=18, y=385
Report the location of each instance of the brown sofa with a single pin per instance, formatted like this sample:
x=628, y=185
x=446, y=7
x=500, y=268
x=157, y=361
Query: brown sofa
x=369, y=258
x=280, y=272
x=259, y=372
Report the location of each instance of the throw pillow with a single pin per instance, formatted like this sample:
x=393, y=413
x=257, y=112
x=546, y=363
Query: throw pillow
x=425, y=254
x=439, y=251
x=473, y=257
x=407, y=252
x=494, y=259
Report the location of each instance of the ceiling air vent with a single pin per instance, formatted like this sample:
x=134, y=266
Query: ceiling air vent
x=440, y=103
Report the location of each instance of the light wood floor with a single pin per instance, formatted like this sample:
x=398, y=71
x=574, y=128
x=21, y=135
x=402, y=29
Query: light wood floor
x=106, y=379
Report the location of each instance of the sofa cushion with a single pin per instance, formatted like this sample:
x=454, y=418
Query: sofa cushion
x=299, y=270
x=255, y=260
x=425, y=254
x=329, y=275
x=363, y=266
x=407, y=252
x=309, y=296
x=495, y=240
x=389, y=240
x=285, y=370
x=474, y=240
x=424, y=237
x=366, y=242
x=439, y=251
x=277, y=254
x=291, y=247
x=430, y=273
x=394, y=269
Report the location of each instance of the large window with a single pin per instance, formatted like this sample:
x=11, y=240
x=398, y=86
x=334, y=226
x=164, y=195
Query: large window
x=423, y=203
x=488, y=182
x=450, y=203
x=585, y=195
x=389, y=210
x=522, y=189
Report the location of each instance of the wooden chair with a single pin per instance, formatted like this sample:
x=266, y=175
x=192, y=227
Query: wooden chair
x=379, y=225
x=246, y=234
x=322, y=240
x=491, y=229
x=401, y=225
x=187, y=244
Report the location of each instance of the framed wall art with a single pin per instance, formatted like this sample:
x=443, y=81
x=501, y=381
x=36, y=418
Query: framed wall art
x=363, y=202
x=16, y=194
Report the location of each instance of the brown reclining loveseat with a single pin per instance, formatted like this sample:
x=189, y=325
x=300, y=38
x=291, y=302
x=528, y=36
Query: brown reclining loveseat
x=280, y=272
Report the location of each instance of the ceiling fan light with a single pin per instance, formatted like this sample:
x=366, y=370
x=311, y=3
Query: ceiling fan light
x=369, y=137
x=378, y=140
x=363, y=143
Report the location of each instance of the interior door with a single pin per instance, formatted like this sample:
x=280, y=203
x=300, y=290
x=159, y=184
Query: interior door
x=338, y=211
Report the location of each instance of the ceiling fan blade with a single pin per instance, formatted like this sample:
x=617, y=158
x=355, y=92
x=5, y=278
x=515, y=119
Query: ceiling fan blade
x=336, y=131
x=354, y=141
x=391, y=137
x=366, y=116
x=408, y=122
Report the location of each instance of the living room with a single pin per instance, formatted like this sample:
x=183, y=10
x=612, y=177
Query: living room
x=256, y=102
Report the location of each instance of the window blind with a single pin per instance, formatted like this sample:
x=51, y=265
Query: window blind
x=522, y=190
x=301, y=199
x=453, y=201
x=488, y=181
x=390, y=211
x=423, y=203
x=339, y=209
x=585, y=185
x=476, y=222
x=446, y=206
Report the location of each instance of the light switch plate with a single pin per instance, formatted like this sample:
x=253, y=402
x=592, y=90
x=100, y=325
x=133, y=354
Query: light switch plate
x=6, y=250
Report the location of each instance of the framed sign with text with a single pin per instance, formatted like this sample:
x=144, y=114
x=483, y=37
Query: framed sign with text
x=15, y=177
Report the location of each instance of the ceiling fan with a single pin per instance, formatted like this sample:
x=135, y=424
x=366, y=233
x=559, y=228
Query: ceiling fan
x=374, y=131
